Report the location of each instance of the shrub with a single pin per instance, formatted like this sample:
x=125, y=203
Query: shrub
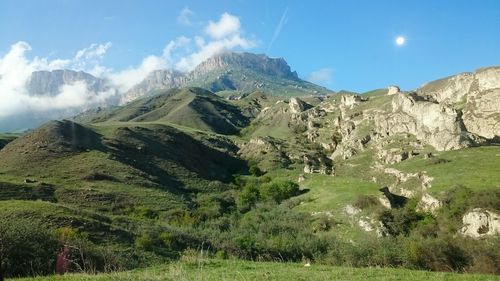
x=442, y=254
x=271, y=232
x=366, y=201
x=256, y=171
x=26, y=248
x=279, y=190
x=400, y=221
x=248, y=197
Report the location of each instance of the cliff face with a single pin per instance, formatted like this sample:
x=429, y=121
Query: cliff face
x=49, y=82
x=436, y=124
x=260, y=63
x=476, y=95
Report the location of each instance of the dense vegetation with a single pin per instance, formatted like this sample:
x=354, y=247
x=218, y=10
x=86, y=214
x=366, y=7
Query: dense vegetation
x=249, y=223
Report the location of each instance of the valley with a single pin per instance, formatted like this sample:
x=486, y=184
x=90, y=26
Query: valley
x=287, y=172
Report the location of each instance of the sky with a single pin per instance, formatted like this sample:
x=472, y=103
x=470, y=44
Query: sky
x=342, y=45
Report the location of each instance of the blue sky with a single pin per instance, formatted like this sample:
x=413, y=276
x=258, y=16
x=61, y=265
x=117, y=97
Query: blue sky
x=339, y=44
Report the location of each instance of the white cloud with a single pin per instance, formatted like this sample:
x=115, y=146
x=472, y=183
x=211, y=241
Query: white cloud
x=94, y=51
x=16, y=69
x=279, y=28
x=226, y=35
x=321, y=76
x=206, y=51
x=183, y=54
x=126, y=79
x=184, y=16
x=226, y=26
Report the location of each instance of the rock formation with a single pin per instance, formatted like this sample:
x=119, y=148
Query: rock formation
x=392, y=90
x=436, y=124
x=479, y=223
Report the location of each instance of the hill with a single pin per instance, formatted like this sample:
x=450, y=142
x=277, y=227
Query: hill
x=386, y=178
x=191, y=107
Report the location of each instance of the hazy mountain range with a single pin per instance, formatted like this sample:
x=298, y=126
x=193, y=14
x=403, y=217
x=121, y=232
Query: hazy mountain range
x=226, y=73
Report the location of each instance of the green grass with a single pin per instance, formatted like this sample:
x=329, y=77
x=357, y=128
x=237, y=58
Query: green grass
x=327, y=193
x=247, y=270
x=477, y=168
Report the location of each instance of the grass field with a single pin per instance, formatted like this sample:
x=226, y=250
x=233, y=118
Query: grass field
x=246, y=270
x=477, y=168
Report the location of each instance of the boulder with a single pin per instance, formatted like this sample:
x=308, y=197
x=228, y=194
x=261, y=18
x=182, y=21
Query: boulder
x=428, y=204
x=479, y=223
x=349, y=100
x=296, y=105
x=392, y=90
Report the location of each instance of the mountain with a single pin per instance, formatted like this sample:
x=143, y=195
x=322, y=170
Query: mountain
x=233, y=72
x=49, y=83
x=156, y=80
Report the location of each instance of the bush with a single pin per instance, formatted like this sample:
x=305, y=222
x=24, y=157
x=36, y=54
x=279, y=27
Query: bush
x=366, y=201
x=400, y=221
x=442, y=254
x=256, y=171
x=279, y=190
x=26, y=248
x=271, y=232
x=248, y=197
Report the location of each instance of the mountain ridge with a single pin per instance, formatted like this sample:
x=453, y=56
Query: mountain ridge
x=231, y=71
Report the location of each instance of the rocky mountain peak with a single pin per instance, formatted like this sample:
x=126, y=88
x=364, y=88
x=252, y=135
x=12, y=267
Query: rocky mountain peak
x=257, y=62
x=49, y=82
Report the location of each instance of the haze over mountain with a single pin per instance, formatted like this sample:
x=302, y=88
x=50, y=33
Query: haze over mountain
x=226, y=73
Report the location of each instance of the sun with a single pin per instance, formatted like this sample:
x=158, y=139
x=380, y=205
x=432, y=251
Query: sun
x=400, y=40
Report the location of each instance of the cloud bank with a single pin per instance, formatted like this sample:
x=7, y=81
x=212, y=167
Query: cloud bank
x=183, y=54
x=16, y=70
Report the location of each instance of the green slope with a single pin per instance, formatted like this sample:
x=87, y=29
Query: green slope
x=190, y=107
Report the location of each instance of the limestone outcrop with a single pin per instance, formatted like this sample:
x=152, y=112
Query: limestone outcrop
x=476, y=94
x=435, y=124
x=479, y=223
x=392, y=90
x=296, y=105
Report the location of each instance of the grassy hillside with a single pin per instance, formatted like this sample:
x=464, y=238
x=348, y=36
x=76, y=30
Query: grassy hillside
x=247, y=178
x=246, y=270
x=191, y=107
x=246, y=80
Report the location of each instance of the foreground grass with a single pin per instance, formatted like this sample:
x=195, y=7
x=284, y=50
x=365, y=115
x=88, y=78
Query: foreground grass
x=245, y=270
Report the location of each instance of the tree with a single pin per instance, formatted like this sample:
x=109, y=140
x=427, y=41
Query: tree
x=249, y=195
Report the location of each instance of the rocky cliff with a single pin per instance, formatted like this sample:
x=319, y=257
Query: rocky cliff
x=49, y=82
x=276, y=67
